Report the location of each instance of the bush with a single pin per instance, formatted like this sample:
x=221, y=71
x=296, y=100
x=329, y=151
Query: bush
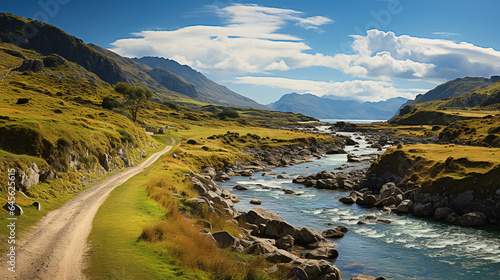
x=126, y=137
x=171, y=105
x=230, y=113
x=110, y=103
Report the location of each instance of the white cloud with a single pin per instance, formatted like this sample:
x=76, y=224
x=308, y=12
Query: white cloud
x=248, y=42
x=362, y=90
x=446, y=34
x=384, y=55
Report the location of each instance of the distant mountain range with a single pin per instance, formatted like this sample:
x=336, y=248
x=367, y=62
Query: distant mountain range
x=169, y=80
x=329, y=108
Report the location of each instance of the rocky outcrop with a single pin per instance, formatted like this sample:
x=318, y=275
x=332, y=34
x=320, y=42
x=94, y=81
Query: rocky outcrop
x=35, y=65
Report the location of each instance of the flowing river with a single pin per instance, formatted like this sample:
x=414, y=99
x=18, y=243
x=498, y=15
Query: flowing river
x=407, y=248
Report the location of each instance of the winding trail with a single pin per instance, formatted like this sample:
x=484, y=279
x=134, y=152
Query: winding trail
x=54, y=248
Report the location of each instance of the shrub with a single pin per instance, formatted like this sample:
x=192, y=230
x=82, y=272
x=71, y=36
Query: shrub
x=110, y=103
x=230, y=113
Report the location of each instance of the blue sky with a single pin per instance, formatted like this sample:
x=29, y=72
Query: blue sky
x=366, y=49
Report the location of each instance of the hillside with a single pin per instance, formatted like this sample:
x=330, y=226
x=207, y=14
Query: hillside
x=456, y=88
x=208, y=90
x=328, y=108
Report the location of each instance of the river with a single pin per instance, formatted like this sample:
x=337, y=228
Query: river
x=407, y=248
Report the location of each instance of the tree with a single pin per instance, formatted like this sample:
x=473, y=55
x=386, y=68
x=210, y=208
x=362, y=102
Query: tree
x=134, y=96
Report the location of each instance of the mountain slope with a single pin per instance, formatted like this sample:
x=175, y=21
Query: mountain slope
x=208, y=90
x=456, y=88
x=47, y=39
x=327, y=108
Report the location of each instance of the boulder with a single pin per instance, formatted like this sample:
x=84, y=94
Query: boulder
x=307, y=236
x=240, y=188
x=473, y=219
x=199, y=204
x=35, y=65
x=285, y=242
x=332, y=233
x=260, y=216
x=210, y=171
x=224, y=239
x=261, y=247
x=368, y=201
x=297, y=273
x=323, y=253
x=280, y=256
x=342, y=229
x=234, y=198
x=442, y=212
x=198, y=186
x=452, y=218
x=255, y=201
x=277, y=229
x=423, y=209
x=222, y=177
x=405, y=207
x=320, y=268
x=347, y=200
x=389, y=189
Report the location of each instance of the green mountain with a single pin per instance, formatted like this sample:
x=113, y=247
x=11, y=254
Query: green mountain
x=208, y=90
x=456, y=88
x=329, y=108
x=167, y=85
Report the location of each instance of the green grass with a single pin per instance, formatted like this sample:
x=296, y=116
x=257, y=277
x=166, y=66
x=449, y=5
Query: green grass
x=116, y=251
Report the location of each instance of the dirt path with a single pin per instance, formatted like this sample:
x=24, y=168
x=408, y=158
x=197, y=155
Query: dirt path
x=55, y=246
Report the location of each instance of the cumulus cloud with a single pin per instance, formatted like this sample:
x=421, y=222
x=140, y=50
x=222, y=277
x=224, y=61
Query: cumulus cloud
x=248, y=42
x=357, y=89
x=384, y=55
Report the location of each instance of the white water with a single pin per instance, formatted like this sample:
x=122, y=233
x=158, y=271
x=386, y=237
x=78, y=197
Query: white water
x=408, y=248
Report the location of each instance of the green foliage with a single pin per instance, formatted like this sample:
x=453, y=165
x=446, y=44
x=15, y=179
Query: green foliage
x=227, y=112
x=110, y=103
x=134, y=96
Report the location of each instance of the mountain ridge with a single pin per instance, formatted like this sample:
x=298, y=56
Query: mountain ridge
x=327, y=108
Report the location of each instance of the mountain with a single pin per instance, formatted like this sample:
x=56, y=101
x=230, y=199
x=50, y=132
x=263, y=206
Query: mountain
x=456, y=88
x=47, y=39
x=208, y=90
x=327, y=108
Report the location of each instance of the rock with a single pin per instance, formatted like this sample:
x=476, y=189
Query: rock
x=37, y=205
x=452, y=218
x=473, y=219
x=368, y=201
x=342, y=229
x=285, y=242
x=332, y=233
x=247, y=173
x=234, y=198
x=335, y=151
x=442, y=212
x=204, y=223
x=423, y=210
x=240, y=188
x=260, y=216
x=321, y=268
x=199, y=204
x=307, y=235
x=222, y=177
x=398, y=199
x=13, y=209
x=389, y=189
x=261, y=247
x=191, y=142
x=277, y=229
x=280, y=256
x=405, y=207
x=35, y=65
x=224, y=239
x=297, y=273
x=323, y=253
x=210, y=171
x=280, y=176
x=347, y=200
x=255, y=201
x=384, y=221
x=29, y=178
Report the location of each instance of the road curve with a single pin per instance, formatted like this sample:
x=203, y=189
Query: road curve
x=54, y=248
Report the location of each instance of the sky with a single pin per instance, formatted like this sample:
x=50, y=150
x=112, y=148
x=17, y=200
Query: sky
x=368, y=50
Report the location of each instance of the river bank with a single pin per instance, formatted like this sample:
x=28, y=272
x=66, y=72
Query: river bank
x=394, y=250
